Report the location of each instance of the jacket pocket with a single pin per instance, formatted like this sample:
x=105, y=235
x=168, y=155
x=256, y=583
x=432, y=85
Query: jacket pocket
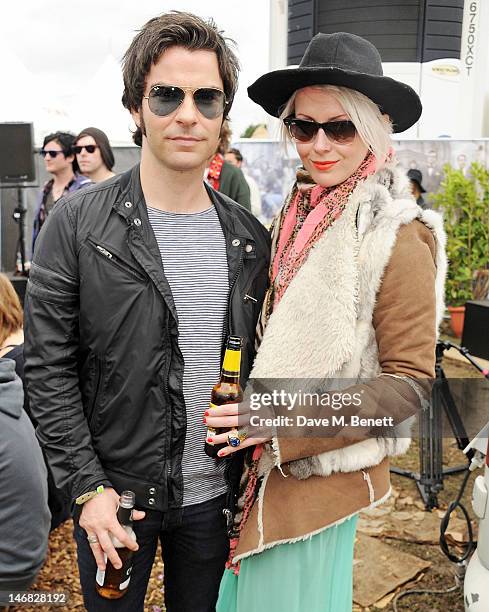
x=115, y=259
x=97, y=392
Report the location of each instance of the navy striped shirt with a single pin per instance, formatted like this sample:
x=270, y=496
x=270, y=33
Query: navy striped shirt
x=193, y=252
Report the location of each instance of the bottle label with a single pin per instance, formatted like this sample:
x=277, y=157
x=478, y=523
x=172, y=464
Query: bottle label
x=126, y=570
x=232, y=362
x=210, y=430
x=100, y=575
x=125, y=573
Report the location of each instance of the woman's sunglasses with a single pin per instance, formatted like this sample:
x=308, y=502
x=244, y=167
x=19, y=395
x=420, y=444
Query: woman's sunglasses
x=303, y=130
x=88, y=148
x=51, y=152
x=165, y=99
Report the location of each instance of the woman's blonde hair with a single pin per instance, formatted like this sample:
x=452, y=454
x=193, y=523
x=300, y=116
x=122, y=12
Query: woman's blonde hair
x=11, y=315
x=373, y=127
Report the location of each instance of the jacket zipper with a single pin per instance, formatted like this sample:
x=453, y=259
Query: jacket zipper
x=101, y=250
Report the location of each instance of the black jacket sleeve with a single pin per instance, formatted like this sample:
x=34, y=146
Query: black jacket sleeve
x=51, y=356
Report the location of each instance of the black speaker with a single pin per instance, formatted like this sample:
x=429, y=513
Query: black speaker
x=475, y=336
x=16, y=153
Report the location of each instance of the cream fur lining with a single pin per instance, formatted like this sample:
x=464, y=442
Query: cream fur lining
x=341, y=279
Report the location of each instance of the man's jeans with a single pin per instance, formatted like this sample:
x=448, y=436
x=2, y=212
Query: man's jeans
x=195, y=548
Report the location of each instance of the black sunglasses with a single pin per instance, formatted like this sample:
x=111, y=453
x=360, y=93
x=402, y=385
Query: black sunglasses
x=51, y=152
x=89, y=148
x=165, y=99
x=303, y=130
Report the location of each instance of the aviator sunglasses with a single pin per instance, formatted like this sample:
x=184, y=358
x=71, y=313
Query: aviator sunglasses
x=165, y=99
x=303, y=130
x=89, y=149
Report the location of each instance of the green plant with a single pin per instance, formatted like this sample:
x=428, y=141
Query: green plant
x=464, y=201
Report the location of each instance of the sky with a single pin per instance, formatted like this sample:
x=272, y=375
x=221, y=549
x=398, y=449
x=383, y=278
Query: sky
x=59, y=60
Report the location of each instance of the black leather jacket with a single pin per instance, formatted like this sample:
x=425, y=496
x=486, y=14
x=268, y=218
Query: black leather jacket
x=103, y=365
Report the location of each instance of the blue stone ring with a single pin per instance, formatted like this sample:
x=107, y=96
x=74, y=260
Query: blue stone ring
x=235, y=437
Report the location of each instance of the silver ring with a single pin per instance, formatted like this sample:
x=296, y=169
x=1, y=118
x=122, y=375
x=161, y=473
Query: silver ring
x=92, y=539
x=236, y=436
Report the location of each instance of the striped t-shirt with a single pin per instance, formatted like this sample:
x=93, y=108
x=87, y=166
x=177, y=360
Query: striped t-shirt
x=193, y=252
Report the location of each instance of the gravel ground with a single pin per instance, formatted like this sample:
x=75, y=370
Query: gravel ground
x=60, y=572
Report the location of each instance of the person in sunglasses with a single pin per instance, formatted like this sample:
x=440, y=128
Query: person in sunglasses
x=135, y=285
x=356, y=293
x=60, y=162
x=94, y=154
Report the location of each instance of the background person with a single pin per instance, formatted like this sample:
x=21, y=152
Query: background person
x=225, y=177
x=416, y=179
x=357, y=293
x=94, y=154
x=24, y=512
x=57, y=151
x=234, y=157
x=12, y=347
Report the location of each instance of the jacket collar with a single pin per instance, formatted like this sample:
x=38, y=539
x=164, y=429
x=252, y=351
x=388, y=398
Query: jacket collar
x=131, y=205
x=132, y=193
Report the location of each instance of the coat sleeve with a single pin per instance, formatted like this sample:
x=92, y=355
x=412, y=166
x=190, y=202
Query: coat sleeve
x=405, y=326
x=51, y=357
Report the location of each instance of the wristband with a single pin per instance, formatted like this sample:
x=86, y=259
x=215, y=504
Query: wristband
x=89, y=495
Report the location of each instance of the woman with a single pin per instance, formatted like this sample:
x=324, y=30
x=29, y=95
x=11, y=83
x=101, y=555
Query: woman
x=356, y=293
x=11, y=332
x=94, y=154
x=12, y=347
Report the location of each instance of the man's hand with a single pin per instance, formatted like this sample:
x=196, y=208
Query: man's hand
x=99, y=518
x=233, y=416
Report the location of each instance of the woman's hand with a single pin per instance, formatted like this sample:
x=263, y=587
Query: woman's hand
x=233, y=417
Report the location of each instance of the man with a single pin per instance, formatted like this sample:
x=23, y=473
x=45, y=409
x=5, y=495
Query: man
x=133, y=289
x=94, y=154
x=416, y=179
x=234, y=157
x=57, y=151
x=225, y=177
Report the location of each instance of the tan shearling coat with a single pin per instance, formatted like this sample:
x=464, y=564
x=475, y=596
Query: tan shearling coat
x=366, y=304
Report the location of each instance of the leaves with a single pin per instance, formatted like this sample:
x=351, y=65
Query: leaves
x=464, y=201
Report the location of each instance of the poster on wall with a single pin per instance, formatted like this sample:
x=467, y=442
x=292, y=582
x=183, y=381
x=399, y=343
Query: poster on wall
x=273, y=166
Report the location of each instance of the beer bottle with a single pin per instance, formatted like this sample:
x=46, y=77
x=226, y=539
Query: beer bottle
x=227, y=390
x=113, y=583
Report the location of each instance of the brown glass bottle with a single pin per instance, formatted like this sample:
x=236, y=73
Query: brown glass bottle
x=113, y=583
x=227, y=390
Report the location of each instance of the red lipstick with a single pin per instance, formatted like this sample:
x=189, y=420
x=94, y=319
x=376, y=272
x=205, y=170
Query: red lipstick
x=326, y=165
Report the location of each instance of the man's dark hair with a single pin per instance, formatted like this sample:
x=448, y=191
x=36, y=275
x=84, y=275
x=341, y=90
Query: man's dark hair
x=175, y=29
x=236, y=153
x=66, y=140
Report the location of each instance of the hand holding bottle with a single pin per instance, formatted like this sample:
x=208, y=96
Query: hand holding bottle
x=99, y=518
x=233, y=418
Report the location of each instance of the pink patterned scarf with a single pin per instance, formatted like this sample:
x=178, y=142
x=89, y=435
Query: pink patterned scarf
x=308, y=213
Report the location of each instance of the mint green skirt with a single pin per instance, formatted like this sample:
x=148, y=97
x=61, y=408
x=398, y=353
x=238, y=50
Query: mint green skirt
x=313, y=575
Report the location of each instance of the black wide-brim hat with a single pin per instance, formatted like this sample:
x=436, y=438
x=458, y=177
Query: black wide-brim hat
x=340, y=59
